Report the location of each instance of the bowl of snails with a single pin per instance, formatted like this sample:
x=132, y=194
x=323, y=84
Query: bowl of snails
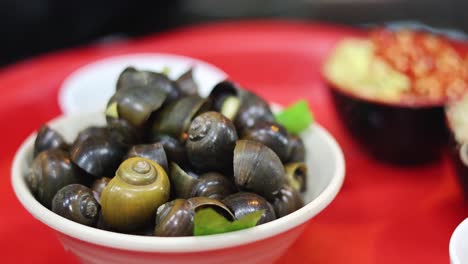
x=139, y=183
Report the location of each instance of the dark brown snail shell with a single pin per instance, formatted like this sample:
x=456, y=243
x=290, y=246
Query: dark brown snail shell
x=272, y=135
x=297, y=149
x=175, y=151
x=130, y=200
x=97, y=154
x=213, y=185
x=244, y=203
x=122, y=131
x=176, y=218
x=47, y=138
x=50, y=171
x=135, y=103
x=257, y=168
x=253, y=109
x=296, y=175
x=286, y=201
x=132, y=77
x=99, y=150
x=243, y=107
x=182, y=182
x=210, y=143
x=188, y=184
x=187, y=84
x=77, y=203
x=91, y=132
x=225, y=99
x=117, y=130
x=154, y=152
x=98, y=186
x=175, y=118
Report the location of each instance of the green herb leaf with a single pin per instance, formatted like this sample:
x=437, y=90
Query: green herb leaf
x=208, y=222
x=296, y=117
x=249, y=220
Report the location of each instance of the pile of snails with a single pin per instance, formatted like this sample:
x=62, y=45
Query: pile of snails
x=166, y=152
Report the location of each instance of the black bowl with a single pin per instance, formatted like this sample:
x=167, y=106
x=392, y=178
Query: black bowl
x=461, y=167
x=395, y=133
x=401, y=126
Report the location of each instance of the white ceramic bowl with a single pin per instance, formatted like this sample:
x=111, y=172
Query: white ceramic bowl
x=459, y=244
x=261, y=244
x=89, y=88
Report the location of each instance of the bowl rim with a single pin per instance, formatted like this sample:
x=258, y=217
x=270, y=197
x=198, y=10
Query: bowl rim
x=176, y=244
x=455, y=237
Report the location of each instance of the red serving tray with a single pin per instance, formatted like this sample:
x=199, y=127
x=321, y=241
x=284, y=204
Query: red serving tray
x=383, y=214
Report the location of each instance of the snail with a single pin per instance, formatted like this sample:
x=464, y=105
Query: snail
x=187, y=84
x=117, y=130
x=188, y=184
x=210, y=143
x=131, y=198
x=243, y=203
x=297, y=147
x=96, y=152
x=135, y=104
x=182, y=182
x=174, y=119
x=50, y=171
x=272, y=135
x=257, y=168
x=131, y=77
x=77, y=203
x=244, y=108
x=122, y=131
x=175, y=150
x=286, y=201
x=296, y=175
x=47, y=138
x=154, y=152
x=176, y=218
x=91, y=132
x=213, y=185
x=98, y=186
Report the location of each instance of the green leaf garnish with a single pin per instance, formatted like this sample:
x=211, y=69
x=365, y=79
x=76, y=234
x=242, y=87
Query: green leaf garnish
x=209, y=222
x=295, y=118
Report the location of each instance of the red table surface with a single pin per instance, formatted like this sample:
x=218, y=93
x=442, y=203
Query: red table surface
x=383, y=214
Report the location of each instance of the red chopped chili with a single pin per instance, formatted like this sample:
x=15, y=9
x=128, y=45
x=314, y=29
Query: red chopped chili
x=435, y=68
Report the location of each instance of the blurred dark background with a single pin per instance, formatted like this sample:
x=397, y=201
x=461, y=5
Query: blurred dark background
x=32, y=27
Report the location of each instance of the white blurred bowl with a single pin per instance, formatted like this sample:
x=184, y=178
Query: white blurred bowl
x=260, y=244
x=89, y=88
x=459, y=244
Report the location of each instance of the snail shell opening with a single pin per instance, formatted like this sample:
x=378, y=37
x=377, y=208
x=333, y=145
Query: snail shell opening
x=230, y=107
x=296, y=175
